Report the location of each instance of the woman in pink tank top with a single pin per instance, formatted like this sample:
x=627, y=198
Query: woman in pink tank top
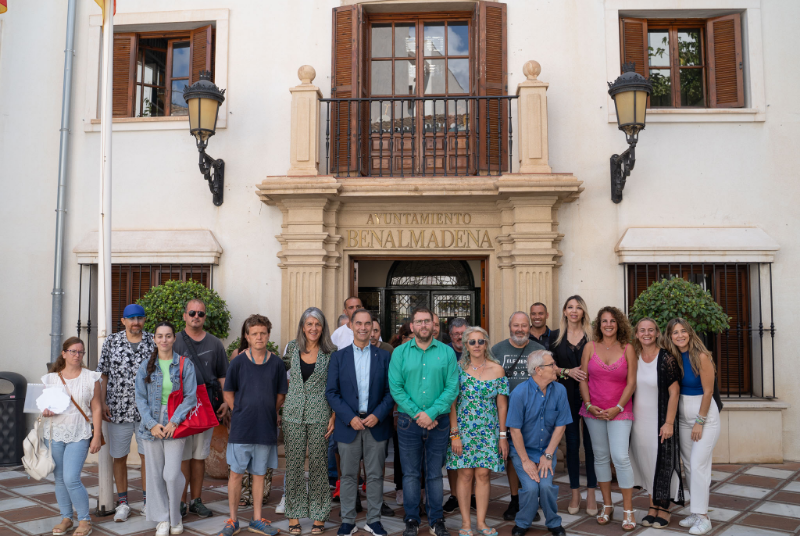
x=610, y=364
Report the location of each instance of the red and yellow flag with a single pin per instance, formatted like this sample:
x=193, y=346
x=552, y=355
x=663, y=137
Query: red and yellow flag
x=100, y=3
x=3, y=6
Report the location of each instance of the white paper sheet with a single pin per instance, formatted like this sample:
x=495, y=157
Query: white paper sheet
x=54, y=399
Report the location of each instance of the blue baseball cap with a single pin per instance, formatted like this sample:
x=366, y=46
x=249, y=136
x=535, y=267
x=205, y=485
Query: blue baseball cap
x=133, y=310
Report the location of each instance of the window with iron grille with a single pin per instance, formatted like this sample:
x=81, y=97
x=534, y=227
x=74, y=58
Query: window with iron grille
x=743, y=353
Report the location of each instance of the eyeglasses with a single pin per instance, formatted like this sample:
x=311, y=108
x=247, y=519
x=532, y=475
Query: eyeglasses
x=422, y=322
x=479, y=342
x=200, y=314
x=550, y=365
x=77, y=353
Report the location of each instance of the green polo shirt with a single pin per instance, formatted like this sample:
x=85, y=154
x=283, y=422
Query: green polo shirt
x=423, y=380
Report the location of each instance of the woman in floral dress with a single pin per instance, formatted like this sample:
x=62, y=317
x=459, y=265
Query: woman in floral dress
x=478, y=443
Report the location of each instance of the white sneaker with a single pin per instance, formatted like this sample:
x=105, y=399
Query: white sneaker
x=689, y=521
x=144, y=509
x=123, y=511
x=399, y=497
x=281, y=508
x=701, y=526
x=162, y=529
x=177, y=529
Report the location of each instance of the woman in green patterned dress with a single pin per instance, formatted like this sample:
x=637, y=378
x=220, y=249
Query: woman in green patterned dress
x=478, y=443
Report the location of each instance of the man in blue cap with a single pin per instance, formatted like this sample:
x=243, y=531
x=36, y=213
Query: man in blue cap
x=119, y=361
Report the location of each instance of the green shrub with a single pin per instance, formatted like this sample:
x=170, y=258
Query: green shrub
x=233, y=346
x=168, y=302
x=669, y=298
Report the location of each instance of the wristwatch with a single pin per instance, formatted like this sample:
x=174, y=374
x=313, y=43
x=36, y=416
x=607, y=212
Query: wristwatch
x=548, y=455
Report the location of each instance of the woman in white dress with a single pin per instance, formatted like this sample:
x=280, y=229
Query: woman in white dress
x=72, y=436
x=655, y=448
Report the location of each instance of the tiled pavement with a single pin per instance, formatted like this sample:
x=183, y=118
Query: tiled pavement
x=746, y=500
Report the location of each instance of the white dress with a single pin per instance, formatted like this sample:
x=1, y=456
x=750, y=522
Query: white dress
x=644, y=434
x=70, y=426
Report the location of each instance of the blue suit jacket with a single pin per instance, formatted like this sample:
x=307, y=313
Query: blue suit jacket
x=342, y=393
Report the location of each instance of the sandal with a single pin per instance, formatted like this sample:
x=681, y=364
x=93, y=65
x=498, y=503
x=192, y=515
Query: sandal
x=628, y=524
x=659, y=522
x=604, y=518
x=64, y=527
x=317, y=529
x=488, y=532
x=464, y=532
x=295, y=529
x=84, y=528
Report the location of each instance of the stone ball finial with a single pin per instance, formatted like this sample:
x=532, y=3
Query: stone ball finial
x=306, y=74
x=531, y=69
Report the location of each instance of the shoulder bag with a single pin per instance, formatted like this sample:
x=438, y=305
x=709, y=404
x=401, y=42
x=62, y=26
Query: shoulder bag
x=199, y=419
x=102, y=439
x=38, y=459
x=213, y=387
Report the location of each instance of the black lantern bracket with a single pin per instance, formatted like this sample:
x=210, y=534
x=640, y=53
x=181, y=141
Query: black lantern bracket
x=622, y=164
x=213, y=171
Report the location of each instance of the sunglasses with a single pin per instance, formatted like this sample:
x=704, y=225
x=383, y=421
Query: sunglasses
x=200, y=314
x=479, y=342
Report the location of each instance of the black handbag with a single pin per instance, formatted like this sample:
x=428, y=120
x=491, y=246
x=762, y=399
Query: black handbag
x=213, y=387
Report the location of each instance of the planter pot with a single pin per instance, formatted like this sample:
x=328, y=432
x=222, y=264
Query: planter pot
x=216, y=464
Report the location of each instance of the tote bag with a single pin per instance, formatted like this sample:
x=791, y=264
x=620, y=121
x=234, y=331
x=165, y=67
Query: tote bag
x=200, y=418
x=37, y=459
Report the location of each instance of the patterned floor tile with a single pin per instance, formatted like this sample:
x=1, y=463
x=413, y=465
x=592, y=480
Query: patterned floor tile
x=134, y=524
x=718, y=476
x=742, y=491
x=7, y=475
x=766, y=471
x=779, y=509
x=771, y=522
x=792, y=486
x=40, y=526
x=13, y=504
x=715, y=514
x=739, y=530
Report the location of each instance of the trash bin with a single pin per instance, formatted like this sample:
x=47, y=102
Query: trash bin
x=12, y=421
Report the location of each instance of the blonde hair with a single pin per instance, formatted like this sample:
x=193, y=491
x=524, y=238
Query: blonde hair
x=696, y=346
x=637, y=346
x=466, y=357
x=586, y=324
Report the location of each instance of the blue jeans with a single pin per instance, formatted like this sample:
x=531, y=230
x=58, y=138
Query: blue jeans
x=573, y=435
x=611, y=441
x=70, y=491
x=416, y=445
x=532, y=494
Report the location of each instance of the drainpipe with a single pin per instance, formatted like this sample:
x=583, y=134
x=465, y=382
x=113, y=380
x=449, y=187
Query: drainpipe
x=63, y=157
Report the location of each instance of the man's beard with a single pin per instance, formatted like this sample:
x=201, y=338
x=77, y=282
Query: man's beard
x=519, y=341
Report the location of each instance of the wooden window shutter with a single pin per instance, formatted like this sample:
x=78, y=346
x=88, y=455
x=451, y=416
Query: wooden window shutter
x=201, y=43
x=724, y=44
x=346, y=69
x=124, y=74
x=633, y=44
x=491, y=64
x=733, y=345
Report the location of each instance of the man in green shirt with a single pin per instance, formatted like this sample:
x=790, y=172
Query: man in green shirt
x=423, y=380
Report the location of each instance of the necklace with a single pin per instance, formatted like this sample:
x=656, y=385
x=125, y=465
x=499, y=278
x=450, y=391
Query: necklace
x=480, y=374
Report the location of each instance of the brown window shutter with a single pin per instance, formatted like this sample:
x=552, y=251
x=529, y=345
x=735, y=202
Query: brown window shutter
x=201, y=52
x=345, y=84
x=124, y=74
x=633, y=41
x=491, y=53
x=733, y=345
x=724, y=44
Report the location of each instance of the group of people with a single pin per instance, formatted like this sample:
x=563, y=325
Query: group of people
x=645, y=400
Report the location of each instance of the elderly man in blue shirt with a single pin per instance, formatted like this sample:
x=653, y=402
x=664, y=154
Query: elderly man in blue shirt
x=538, y=413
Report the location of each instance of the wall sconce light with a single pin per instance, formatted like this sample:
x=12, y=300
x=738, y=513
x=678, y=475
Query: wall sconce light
x=203, y=98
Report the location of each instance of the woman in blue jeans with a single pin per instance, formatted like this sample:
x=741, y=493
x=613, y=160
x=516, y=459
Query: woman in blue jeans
x=71, y=433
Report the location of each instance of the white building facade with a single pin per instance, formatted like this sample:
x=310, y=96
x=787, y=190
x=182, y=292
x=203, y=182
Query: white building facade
x=400, y=202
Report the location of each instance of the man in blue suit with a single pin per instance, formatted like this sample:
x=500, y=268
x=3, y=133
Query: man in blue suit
x=358, y=391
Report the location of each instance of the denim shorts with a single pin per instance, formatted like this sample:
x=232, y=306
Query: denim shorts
x=255, y=459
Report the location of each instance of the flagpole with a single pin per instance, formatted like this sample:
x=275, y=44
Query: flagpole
x=105, y=499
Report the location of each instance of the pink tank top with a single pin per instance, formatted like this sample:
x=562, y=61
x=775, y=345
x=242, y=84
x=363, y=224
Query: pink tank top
x=606, y=384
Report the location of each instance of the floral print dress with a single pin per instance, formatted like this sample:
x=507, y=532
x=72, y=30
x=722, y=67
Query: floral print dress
x=478, y=423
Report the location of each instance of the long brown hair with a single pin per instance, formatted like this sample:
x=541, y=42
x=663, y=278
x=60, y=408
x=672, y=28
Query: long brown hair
x=696, y=346
x=623, y=325
x=61, y=363
x=586, y=324
x=404, y=331
x=151, y=363
x=637, y=346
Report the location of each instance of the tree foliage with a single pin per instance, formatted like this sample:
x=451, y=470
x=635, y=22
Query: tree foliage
x=234, y=345
x=168, y=302
x=670, y=298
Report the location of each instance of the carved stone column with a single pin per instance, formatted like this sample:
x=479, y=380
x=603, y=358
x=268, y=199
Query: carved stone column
x=532, y=115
